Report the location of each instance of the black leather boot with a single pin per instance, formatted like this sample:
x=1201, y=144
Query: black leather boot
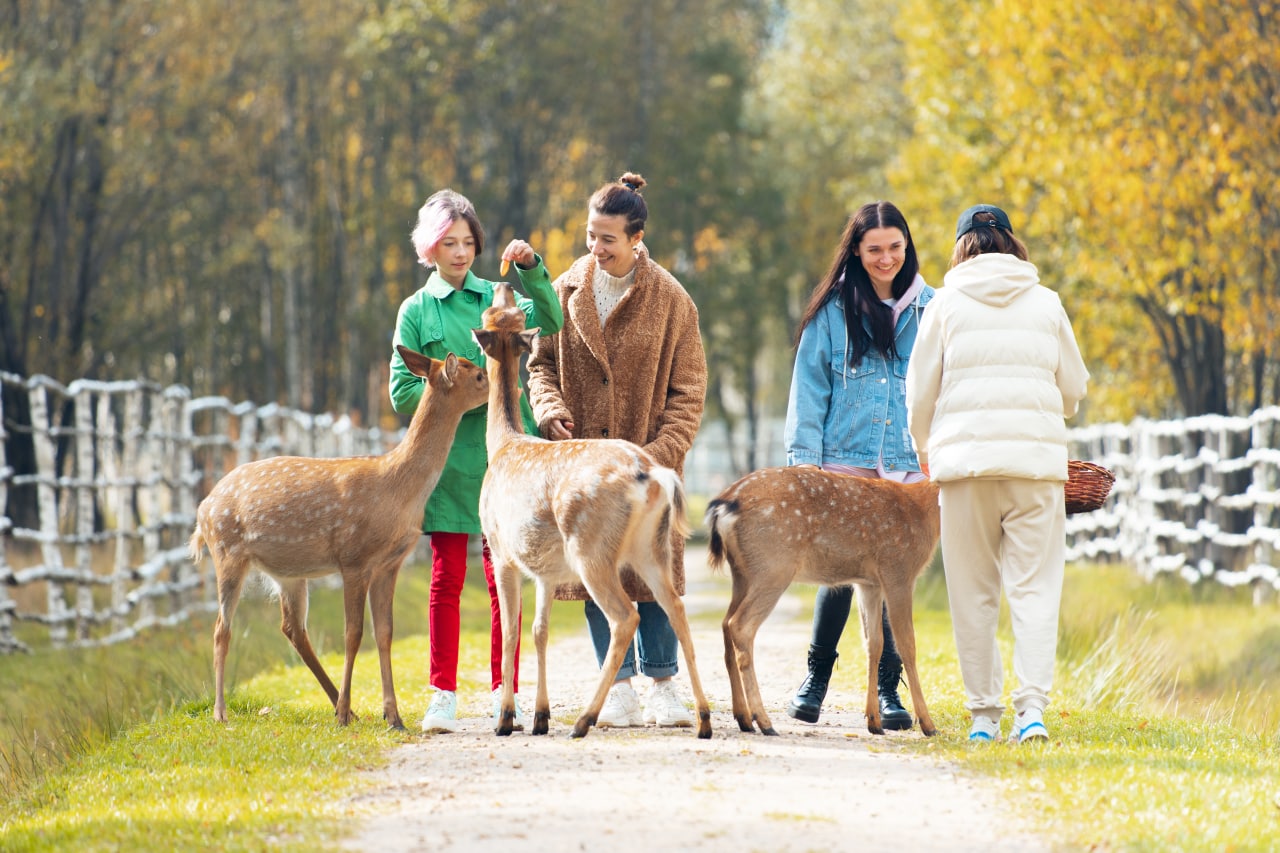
x=807, y=703
x=892, y=714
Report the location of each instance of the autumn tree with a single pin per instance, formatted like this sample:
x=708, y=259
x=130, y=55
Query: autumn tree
x=1136, y=147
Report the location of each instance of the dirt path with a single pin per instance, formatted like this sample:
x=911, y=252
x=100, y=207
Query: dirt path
x=826, y=787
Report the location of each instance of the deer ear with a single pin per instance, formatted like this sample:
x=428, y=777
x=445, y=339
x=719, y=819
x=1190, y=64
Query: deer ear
x=418, y=364
x=527, y=337
x=484, y=337
x=450, y=368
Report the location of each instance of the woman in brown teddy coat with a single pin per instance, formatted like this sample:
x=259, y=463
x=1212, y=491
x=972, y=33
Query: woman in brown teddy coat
x=627, y=364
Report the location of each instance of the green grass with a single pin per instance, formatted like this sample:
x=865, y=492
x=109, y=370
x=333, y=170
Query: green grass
x=1163, y=731
x=1163, y=725
x=111, y=749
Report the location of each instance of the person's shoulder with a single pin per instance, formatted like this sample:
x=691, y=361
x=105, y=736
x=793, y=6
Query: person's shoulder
x=416, y=299
x=663, y=279
x=575, y=276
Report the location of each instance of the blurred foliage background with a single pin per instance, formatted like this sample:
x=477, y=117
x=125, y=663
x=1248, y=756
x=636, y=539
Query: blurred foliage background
x=219, y=193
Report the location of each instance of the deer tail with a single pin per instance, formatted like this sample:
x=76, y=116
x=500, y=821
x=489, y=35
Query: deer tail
x=673, y=486
x=718, y=515
x=196, y=546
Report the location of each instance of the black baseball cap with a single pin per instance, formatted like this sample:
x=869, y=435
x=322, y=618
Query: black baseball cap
x=966, y=222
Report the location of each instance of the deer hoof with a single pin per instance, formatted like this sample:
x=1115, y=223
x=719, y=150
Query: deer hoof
x=581, y=727
x=503, y=730
x=744, y=723
x=541, y=722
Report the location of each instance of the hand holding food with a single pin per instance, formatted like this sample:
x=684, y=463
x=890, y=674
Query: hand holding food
x=520, y=252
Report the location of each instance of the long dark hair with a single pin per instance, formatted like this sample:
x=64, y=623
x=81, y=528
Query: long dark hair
x=849, y=279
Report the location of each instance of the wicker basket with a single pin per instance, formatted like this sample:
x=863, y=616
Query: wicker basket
x=1087, y=486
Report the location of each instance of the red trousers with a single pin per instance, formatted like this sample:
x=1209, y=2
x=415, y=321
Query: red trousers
x=448, y=571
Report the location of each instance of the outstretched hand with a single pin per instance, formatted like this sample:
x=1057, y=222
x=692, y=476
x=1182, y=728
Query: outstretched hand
x=520, y=252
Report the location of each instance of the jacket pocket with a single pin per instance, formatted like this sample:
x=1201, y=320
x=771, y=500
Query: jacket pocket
x=846, y=381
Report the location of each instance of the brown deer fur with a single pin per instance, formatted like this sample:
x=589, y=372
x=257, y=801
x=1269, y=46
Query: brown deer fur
x=777, y=526
x=296, y=518
x=574, y=510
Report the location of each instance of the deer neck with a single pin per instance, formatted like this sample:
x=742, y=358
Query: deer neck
x=426, y=442
x=504, y=422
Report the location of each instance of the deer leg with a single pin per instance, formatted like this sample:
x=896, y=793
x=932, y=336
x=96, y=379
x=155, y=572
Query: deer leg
x=506, y=579
x=231, y=575
x=741, y=711
x=904, y=635
x=870, y=604
x=757, y=603
x=541, y=631
x=382, y=590
x=293, y=624
x=355, y=591
x=606, y=590
x=666, y=596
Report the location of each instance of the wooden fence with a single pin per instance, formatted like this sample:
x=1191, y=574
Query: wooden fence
x=102, y=479
x=93, y=542
x=1196, y=496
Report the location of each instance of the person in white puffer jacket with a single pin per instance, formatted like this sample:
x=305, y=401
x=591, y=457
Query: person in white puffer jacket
x=995, y=372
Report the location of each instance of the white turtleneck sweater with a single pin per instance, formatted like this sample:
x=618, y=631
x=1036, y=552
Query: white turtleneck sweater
x=609, y=291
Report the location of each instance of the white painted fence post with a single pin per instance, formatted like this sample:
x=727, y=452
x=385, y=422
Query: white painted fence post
x=83, y=486
x=8, y=642
x=47, y=502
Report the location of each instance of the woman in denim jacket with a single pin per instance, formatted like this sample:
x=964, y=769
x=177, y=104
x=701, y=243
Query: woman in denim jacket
x=847, y=409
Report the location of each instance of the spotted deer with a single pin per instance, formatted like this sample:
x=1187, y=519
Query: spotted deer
x=572, y=510
x=296, y=518
x=778, y=526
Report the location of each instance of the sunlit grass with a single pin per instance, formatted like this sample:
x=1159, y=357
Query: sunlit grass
x=1163, y=733
x=125, y=755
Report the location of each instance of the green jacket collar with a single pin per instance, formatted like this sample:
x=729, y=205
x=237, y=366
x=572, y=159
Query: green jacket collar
x=439, y=288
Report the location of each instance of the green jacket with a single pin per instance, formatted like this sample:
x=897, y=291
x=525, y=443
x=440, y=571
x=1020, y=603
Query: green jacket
x=436, y=321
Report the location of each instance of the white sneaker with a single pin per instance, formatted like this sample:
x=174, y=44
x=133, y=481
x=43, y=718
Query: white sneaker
x=621, y=708
x=518, y=725
x=984, y=730
x=664, y=706
x=1029, y=726
x=442, y=713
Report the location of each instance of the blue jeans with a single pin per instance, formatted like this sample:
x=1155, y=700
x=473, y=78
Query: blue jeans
x=655, y=636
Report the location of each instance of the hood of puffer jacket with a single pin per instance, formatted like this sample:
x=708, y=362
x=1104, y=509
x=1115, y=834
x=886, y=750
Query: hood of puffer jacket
x=994, y=279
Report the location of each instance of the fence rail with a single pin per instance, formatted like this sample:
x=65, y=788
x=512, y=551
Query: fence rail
x=99, y=482
x=1196, y=496
x=93, y=542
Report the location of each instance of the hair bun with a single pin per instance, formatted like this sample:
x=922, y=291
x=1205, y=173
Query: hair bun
x=632, y=181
